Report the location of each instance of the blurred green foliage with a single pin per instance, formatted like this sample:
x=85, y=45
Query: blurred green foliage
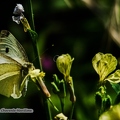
x=77, y=31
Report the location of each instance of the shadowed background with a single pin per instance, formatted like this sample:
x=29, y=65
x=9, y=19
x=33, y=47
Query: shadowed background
x=77, y=31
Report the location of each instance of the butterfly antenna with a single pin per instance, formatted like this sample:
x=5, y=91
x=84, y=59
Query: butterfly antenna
x=42, y=53
x=55, y=57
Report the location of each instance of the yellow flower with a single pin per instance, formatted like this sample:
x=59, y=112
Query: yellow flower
x=19, y=17
x=112, y=114
x=64, y=63
x=104, y=64
x=60, y=116
x=18, y=13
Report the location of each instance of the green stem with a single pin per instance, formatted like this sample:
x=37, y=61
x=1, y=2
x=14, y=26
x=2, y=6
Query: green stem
x=36, y=52
x=32, y=16
x=71, y=114
x=62, y=102
x=48, y=110
x=35, y=40
x=53, y=105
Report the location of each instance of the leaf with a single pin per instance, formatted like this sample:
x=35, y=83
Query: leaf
x=117, y=99
x=116, y=87
x=59, y=86
x=104, y=64
x=115, y=77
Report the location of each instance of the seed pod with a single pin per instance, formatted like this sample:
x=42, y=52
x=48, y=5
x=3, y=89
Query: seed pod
x=43, y=87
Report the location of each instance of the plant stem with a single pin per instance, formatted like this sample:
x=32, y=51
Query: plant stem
x=32, y=16
x=47, y=108
x=34, y=37
x=36, y=52
x=53, y=105
x=62, y=101
x=71, y=114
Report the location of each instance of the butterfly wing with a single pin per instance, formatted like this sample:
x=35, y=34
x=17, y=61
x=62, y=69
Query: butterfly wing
x=11, y=51
x=9, y=46
x=10, y=77
x=10, y=83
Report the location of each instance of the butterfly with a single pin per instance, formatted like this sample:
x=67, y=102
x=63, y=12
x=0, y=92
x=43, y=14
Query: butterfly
x=14, y=66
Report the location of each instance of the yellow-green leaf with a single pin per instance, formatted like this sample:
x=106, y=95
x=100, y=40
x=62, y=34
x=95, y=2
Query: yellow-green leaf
x=115, y=77
x=104, y=64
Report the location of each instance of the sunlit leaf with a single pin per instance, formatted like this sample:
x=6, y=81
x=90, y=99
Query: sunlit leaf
x=104, y=64
x=115, y=77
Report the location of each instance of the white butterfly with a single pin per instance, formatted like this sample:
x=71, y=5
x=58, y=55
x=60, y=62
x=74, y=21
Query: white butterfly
x=14, y=66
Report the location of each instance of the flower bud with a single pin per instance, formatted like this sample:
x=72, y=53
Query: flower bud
x=64, y=63
x=60, y=116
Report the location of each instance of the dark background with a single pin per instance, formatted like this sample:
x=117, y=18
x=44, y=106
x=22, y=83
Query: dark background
x=77, y=31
